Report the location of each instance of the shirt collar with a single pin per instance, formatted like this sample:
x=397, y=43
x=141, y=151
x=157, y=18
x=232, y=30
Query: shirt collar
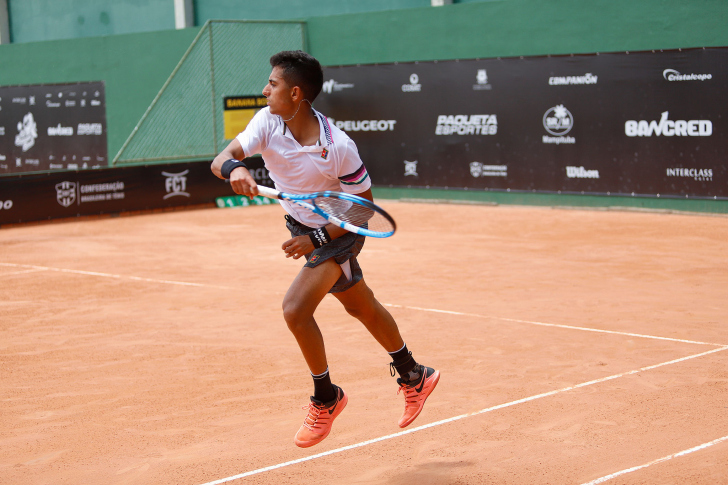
x=325, y=136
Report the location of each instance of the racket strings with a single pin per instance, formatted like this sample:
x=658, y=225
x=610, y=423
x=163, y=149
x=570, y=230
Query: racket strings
x=355, y=214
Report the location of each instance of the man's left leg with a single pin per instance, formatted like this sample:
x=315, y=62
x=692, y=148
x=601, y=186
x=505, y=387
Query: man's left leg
x=299, y=305
x=416, y=381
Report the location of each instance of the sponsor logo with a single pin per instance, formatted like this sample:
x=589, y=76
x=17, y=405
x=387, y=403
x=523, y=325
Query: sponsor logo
x=52, y=104
x=3, y=158
x=19, y=100
x=673, y=75
x=32, y=161
x=60, y=130
x=2, y=130
x=90, y=129
x=587, y=78
x=330, y=86
x=70, y=102
x=175, y=184
x=365, y=125
x=27, y=133
x=581, y=173
x=324, y=154
x=95, y=102
x=31, y=100
x=666, y=127
x=66, y=193
x=466, y=125
x=100, y=192
x=56, y=166
x=698, y=174
x=410, y=168
x=314, y=258
x=413, y=86
x=482, y=81
x=558, y=121
x=478, y=169
x=6, y=204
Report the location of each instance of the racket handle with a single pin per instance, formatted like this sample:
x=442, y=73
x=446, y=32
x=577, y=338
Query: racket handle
x=268, y=192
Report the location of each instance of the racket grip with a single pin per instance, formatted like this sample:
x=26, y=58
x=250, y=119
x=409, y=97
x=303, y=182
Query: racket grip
x=268, y=192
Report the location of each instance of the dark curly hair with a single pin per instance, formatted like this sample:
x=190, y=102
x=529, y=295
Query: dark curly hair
x=302, y=70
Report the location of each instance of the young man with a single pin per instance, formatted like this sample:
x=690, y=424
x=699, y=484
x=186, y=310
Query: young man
x=304, y=154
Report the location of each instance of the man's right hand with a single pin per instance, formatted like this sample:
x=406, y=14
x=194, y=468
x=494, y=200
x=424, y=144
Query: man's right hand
x=243, y=183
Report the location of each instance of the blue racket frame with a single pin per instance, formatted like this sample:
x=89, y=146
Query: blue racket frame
x=301, y=200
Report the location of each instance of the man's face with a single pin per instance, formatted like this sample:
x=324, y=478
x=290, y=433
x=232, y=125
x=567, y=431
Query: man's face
x=278, y=93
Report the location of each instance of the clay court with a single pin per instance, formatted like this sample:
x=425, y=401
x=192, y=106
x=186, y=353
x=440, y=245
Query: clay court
x=576, y=346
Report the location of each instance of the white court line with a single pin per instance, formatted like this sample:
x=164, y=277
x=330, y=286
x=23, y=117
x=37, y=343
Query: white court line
x=570, y=327
x=432, y=310
x=659, y=460
x=34, y=268
x=457, y=418
x=117, y=276
x=23, y=272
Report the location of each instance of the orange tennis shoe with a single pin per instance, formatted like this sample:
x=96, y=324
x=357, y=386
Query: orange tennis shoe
x=317, y=424
x=416, y=393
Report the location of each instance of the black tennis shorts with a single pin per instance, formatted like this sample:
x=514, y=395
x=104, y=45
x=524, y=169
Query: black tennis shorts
x=342, y=249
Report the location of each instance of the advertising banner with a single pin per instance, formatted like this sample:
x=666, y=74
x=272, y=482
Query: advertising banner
x=36, y=197
x=238, y=111
x=52, y=127
x=638, y=124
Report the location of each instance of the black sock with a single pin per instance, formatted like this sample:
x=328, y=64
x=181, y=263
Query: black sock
x=322, y=389
x=405, y=364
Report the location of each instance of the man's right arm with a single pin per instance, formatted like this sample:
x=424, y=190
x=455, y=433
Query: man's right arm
x=240, y=179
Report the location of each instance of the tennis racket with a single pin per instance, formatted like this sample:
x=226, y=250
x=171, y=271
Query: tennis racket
x=351, y=212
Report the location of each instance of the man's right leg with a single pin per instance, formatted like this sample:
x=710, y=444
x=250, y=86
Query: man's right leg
x=299, y=305
x=416, y=380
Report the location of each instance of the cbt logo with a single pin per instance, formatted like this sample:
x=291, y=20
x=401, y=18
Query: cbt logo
x=478, y=169
x=66, y=193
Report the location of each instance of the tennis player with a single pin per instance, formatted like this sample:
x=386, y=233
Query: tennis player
x=305, y=154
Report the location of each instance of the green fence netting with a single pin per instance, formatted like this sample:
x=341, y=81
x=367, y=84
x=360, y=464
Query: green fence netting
x=227, y=58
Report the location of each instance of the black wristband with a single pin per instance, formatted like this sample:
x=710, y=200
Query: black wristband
x=229, y=165
x=319, y=237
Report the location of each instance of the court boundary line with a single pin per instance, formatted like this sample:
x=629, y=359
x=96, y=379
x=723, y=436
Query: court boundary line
x=655, y=462
x=720, y=347
x=115, y=276
x=557, y=325
x=459, y=417
x=432, y=310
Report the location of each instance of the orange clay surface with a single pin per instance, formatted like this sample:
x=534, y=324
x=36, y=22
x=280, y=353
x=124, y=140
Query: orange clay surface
x=151, y=349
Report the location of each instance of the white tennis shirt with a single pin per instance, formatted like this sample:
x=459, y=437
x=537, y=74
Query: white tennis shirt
x=332, y=164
